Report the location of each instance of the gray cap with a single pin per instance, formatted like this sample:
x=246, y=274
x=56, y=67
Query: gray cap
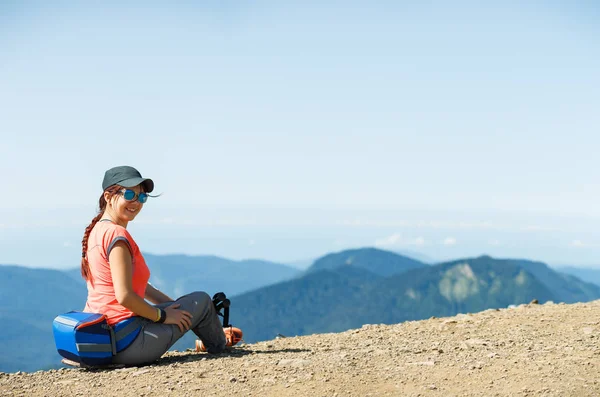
x=126, y=176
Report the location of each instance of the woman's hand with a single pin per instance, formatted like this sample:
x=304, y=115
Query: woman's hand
x=181, y=318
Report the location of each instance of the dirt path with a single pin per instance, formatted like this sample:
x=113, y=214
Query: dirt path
x=531, y=350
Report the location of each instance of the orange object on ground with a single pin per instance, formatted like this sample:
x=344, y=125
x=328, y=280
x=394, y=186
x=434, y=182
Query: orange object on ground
x=233, y=335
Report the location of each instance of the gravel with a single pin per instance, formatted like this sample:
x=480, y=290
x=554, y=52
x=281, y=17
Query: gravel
x=529, y=350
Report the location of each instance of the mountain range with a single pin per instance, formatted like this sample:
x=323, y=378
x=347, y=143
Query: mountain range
x=332, y=298
x=338, y=291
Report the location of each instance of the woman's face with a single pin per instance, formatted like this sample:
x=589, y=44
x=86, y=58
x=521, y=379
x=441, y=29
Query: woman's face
x=125, y=211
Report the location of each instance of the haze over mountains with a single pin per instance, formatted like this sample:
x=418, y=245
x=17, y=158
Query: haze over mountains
x=339, y=291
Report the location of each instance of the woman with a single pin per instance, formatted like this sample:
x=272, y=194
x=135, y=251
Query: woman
x=117, y=279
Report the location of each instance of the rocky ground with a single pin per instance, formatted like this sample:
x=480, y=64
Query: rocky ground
x=530, y=350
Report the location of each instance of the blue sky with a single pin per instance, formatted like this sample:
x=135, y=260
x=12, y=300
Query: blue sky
x=285, y=130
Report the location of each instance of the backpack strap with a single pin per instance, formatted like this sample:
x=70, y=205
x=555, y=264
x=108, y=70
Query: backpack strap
x=113, y=340
x=132, y=326
x=126, y=331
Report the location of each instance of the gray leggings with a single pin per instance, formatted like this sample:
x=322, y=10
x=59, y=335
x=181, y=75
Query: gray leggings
x=155, y=339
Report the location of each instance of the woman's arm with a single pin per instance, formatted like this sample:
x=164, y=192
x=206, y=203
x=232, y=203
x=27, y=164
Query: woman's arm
x=121, y=269
x=156, y=296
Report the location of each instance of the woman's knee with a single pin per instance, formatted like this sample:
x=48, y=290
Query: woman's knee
x=201, y=298
x=202, y=302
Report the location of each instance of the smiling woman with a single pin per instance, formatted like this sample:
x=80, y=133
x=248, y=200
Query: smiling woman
x=117, y=281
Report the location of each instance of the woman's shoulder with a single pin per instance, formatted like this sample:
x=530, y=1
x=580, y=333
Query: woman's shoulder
x=108, y=234
x=110, y=229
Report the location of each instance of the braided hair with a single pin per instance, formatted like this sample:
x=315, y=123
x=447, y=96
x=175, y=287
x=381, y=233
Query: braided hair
x=85, y=266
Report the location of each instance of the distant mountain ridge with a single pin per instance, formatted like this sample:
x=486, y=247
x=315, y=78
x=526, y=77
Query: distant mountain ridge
x=380, y=262
x=340, y=295
x=339, y=291
x=565, y=287
x=590, y=275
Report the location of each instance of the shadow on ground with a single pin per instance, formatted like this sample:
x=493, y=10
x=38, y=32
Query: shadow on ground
x=186, y=357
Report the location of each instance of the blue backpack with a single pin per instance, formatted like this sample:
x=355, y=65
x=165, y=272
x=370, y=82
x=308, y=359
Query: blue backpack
x=87, y=338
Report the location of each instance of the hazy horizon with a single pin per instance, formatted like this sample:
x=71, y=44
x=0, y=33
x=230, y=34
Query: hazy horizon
x=292, y=235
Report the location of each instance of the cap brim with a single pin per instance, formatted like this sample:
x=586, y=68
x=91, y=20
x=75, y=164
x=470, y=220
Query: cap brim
x=147, y=182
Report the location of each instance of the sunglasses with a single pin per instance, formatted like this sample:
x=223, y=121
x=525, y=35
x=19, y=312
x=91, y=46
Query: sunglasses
x=130, y=195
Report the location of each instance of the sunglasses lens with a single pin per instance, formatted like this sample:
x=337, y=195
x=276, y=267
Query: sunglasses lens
x=129, y=195
x=142, y=198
